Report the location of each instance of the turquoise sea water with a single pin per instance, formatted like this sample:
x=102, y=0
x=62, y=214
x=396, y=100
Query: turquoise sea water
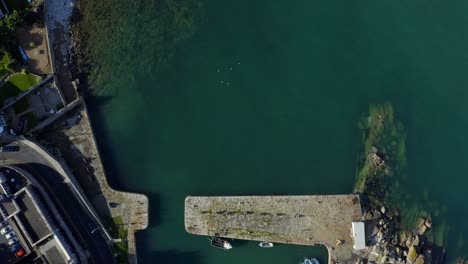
x=263, y=97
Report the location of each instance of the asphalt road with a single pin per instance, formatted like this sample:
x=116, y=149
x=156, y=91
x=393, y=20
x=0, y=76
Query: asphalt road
x=74, y=215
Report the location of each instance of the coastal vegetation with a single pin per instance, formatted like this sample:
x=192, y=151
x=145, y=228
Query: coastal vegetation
x=138, y=49
x=5, y=63
x=9, y=52
x=115, y=226
x=8, y=42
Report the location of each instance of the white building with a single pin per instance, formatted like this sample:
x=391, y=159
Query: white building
x=359, y=235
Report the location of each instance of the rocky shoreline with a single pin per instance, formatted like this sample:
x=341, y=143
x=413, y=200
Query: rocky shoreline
x=390, y=243
x=388, y=239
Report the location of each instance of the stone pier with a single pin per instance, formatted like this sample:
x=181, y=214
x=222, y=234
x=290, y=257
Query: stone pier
x=303, y=220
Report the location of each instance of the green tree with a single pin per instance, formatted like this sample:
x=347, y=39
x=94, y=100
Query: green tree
x=7, y=31
x=11, y=21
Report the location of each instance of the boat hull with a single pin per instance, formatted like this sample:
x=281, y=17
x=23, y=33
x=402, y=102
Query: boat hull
x=266, y=244
x=220, y=243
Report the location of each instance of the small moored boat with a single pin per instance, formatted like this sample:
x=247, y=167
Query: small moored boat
x=266, y=244
x=310, y=261
x=220, y=243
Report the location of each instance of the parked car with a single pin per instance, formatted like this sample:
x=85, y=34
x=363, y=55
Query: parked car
x=10, y=235
x=9, y=149
x=20, y=253
x=12, y=241
x=3, y=223
x=3, y=211
x=5, y=230
x=16, y=247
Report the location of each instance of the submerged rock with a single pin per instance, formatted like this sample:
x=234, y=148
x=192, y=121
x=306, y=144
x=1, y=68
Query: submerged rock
x=383, y=209
x=428, y=223
x=419, y=260
x=420, y=222
x=422, y=229
x=415, y=241
x=412, y=255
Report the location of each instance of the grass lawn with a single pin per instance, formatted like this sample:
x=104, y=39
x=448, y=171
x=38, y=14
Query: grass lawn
x=23, y=81
x=120, y=250
x=16, y=84
x=4, y=64
x=117, y=230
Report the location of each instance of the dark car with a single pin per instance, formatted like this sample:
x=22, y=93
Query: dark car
x=3, y=223
x=9, y=149
x=16, y=247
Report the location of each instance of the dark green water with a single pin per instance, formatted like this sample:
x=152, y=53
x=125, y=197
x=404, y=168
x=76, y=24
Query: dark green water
x=263, y=97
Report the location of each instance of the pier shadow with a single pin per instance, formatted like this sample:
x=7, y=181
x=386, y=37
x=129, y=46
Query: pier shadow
x=95, y=104
x=86, y=177
x=171, y=256
x=156, y=210
x=241, y=243
x=79, y=164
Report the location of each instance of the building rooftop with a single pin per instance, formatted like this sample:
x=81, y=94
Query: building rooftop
x=359, y=235
x=53, y=255
x=24, y=210
x=31, y=218
x=10, y=206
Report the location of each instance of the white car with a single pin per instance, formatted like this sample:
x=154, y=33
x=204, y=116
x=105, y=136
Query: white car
x=5, y=230
x=12, y=241
x=10, y=235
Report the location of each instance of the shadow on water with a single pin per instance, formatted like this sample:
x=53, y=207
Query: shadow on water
x=95, y=102
x=156, y=208
x=240, y=243
x=97, y=119
x=171, y=256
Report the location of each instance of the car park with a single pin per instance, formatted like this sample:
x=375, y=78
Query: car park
x=10, y=235
x=6, y=229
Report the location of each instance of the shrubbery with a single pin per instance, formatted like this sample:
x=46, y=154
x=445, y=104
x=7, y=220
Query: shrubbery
x=8, y=24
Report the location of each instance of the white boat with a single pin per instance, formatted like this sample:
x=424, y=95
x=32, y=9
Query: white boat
x=220, y=243
x=310, y=261
x=266, y=244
